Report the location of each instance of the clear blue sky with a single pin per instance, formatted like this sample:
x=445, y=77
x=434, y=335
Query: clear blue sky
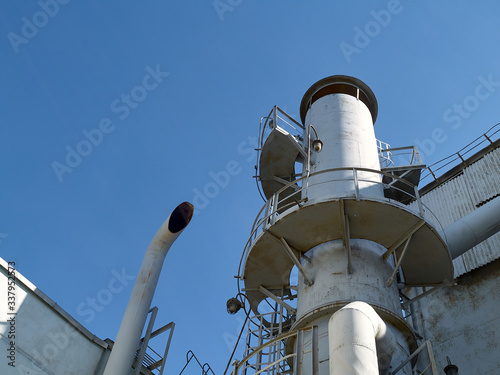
x=71, y=221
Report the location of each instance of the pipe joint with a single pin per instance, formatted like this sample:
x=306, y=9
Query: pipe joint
x=359, y=341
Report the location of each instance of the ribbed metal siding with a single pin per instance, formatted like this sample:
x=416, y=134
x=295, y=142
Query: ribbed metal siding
x=460, y=196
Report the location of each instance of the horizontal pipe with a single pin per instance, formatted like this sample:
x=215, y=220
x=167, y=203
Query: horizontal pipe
x=128, y=337
x=359, y=341
x=473, y=229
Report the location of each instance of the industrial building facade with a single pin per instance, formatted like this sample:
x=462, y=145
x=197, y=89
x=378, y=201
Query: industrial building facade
x=462, y=320
x=46, y=339
x=382, y=287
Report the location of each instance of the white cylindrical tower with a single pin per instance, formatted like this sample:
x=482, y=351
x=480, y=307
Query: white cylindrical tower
x=349, y=241
x=341, y=111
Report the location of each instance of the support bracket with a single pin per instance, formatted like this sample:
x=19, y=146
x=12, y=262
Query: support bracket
x=398, y=263
x=405, y=237
x=285, y=182
x=298, y=146
x=346, y=235
x=426, y=293
x=425, y=345
x=342, y=222
x=292, y=256
x=278, y=300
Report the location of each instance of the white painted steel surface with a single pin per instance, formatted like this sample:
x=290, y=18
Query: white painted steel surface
x=342, y=210
x=473, y=229
x=47, y=339
x=463, y=322
x=460, y=196
x=333, y=287
x=332, y=283
x=426, y=262
x=129, y=334
x=344, y=124
x=277, y=164
x=359, y=341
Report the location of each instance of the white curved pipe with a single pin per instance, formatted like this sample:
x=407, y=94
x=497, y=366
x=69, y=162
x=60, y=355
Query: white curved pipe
x=359, y=341
x=129, y=334
x=473, y=229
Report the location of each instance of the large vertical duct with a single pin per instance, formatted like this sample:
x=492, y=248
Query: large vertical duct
x=129, y=334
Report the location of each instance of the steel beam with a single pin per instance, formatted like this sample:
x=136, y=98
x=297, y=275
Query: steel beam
x=398, y=263
x=402, y=239
x=278, y=300
x=292, y=256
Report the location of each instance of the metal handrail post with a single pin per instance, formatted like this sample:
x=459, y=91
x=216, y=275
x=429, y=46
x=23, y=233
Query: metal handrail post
x=419, y=202
x=356, y=184
x=300, y=353
x=274, y=209
x=145, y=341
x=315, y=351
x=171, y=333
x=235, y=367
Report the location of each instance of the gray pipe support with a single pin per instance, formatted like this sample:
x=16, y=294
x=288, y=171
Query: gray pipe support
x=473, y=229
x=359, y=341
x=129, y=334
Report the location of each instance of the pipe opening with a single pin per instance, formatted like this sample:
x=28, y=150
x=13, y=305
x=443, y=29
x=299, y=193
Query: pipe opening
x=180, y=217
x=339, y=84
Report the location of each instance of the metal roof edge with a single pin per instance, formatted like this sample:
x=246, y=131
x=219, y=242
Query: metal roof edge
x=29, y=285
x=454, y=171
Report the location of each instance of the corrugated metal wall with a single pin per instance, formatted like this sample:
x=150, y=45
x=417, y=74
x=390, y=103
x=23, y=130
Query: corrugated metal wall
x=461, y=195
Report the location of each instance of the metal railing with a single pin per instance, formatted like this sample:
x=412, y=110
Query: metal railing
x=205, y=368
x=276, y=118
x=145, y=354
x=272, y=209
x=431, y=172
x=385, y=158
x=259, y=333
x=399, y=157
x=431, y=366
x=267, y=325
x=269, y=213
x=271, y=357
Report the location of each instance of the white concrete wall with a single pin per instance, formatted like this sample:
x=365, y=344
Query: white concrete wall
x=463, y=322
x=47, y=339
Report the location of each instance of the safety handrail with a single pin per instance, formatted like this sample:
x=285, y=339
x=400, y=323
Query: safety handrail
x=490, y=136
x=432, y=364
x=267, y=212
x=385, y=160
x=205, y=368
x=244, y=364
x=271, y=121
x=401, y=156
x=257, y=222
